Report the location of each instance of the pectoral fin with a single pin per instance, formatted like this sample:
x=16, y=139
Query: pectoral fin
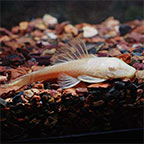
x=90, y=79
x=66, y=81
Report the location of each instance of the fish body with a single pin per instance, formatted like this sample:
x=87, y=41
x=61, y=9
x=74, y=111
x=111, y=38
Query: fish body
x=74, y=64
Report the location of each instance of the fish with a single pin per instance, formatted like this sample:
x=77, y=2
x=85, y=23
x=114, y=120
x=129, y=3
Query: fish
x=72, y=64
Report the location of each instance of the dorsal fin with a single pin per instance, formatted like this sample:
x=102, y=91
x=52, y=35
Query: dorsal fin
x=74, y=50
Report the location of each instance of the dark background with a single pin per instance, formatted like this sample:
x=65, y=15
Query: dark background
x=93, y=11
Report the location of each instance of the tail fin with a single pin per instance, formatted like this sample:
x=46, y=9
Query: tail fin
x=15, y=84
x=19, y=82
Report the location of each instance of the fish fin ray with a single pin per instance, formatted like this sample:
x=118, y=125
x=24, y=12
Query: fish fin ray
x=90, y=79
x=75, y=49
x=66, y=81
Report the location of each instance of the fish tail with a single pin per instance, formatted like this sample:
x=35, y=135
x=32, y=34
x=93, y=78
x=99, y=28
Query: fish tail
x=19, y=82
x=27, y=79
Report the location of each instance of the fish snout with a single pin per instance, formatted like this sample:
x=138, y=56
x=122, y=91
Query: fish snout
x=131, y=72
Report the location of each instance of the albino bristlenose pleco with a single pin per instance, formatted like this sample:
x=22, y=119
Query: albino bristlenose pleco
x=72, y=64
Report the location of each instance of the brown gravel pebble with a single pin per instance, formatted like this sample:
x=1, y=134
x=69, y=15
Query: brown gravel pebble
x=140, y=74
x=38, y=86
x=54, y=86
x=81, y=90
x=23, y=26
x=24, y=99
x=28, y=94
x=98, y=103
x=3, y=78
x=37, y=98
x=35, y=91
x=15, y=29
x=114, y=52
x=99, y=85
x=142, y=100
x=126, y=58
x=5, y=38
x=140, y=91
x=70, y=91
x=71, y=29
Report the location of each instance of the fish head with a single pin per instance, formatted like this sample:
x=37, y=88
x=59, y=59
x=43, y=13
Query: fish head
x=119, y=69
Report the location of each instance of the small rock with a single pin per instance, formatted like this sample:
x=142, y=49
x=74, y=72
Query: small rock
x=140, y=91
x=94, y=48
x=139, y=29
x=99, y=85
x=2, y=69
x=9, y=100
x=44, y=37
x=139, y=50
x=3, y=102
x=17, y=98
x=71, y=29
x=39, y=86
x=111, y=22
x=132, y=86
x=37, y=33
x=124, y=29
x=81, y=90
x=98, y=103
x=114, y=52
x=16, y=60
x=23, y=26
x=52, y=35
x=48, y=51
x=40, y=26
x=110, y=34
x=139, y=66
x=119, y=84
x=15, y=29
x=59, y=90
x=123, y=47
x=137, y=45
x=136, y=53
x=136, y=36
x=103, y=52
x=138, y=58
x=142, y=100
x=45, y=43
x=51, y=100
x=92, y=51
x=140, y=74
x=126, y=58
x=37, y=38
x=35, y=97
x=28, y=94
x=55, y=93
x=3, y=78
x=36, y=91
x=4, y=38
x=24, y=99
x=70, y=91
x=89, y=31
x=49, y=20
x=54, y=86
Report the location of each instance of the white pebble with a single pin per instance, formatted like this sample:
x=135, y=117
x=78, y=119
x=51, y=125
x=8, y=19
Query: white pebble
x=49, y=20
x=36, y=91
x=89, y=31
x=28, y=94
x=52, y=35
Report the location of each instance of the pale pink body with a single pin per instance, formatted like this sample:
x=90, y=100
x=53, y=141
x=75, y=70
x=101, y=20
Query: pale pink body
x=71, y=69
x=103, y=68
